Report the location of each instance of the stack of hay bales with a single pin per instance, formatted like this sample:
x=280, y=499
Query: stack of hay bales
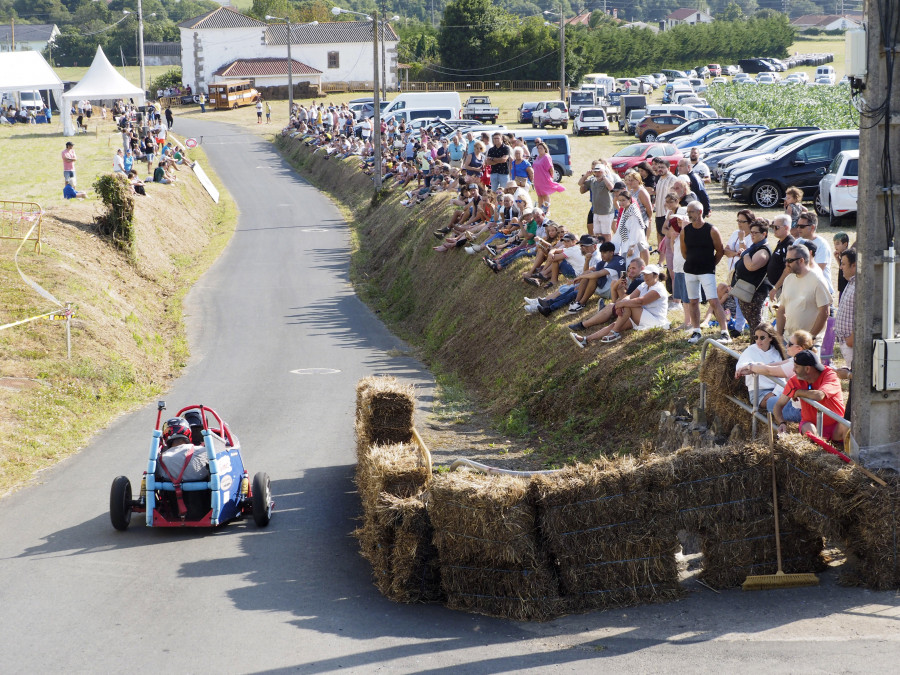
x=610, y=544
x=842, y=503
x=486, y=533
x=395, y=536
x=717, y=373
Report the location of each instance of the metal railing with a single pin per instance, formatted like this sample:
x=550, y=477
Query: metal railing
x=484, y=468
x=753, y=407
x=18, y=217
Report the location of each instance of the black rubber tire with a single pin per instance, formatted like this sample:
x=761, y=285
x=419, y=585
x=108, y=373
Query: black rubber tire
x=766, y=195
x=120, y=503
x=533, y=124
x=557, y=173
x=649, y=137
x=817, y=205
x=565, y=125
x=262, y=497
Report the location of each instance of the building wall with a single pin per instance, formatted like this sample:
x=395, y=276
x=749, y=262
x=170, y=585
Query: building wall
x=162, y=60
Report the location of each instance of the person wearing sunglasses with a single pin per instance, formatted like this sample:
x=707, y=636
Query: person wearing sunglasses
x=778, y=372
x=805, y=299
x=807, y=226
x=777, y=269
x=765, y=349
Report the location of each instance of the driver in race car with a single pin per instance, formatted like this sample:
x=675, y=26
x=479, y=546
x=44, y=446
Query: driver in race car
x=180, y=460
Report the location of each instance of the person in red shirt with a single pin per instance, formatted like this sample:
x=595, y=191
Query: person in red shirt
x=813, y=381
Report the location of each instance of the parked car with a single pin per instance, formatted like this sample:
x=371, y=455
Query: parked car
x=480, y=108
x=711, y=132
x=741, y=78
x=762, y=181
x=557, y=146
x=766, y=143
x=632, y=155
x=824, y=80
x=581, y=98
x=591, y=121
x=793, y=78
x=765, y=78
x=839, y=186
x=715, y=70
x=651, y=126
x=633, y=84
x=702, y=72
x=550, y=114
x=731, y=71
x=661, y=79
x=525, y=110
x=674, y=74
x=719, y=80
x=627, y=104
x=755, y=66
x=692, y=126
x=631, y=122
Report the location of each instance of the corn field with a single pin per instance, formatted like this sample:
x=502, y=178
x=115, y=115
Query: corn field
x=777, y=105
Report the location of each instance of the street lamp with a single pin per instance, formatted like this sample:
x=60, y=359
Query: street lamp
x=287, y=20
x=562, y=50
x=140, y=18
x=376, y=117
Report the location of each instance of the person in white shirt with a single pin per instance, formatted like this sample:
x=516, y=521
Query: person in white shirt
x=807, y=225
x=119, y=162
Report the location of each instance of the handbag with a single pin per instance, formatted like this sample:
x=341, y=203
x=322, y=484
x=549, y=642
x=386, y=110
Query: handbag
x=744, y=290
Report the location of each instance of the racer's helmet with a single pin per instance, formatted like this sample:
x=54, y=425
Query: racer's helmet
x=176, y=427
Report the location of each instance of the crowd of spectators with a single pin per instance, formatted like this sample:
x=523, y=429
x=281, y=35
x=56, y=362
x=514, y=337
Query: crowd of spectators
x=501, y=190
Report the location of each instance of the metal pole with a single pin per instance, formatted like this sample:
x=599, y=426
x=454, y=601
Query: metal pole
x=562, y=54
x=141, y=44
x=68, y=331
x=376, y=119
x=383, y=53
x=290, y=71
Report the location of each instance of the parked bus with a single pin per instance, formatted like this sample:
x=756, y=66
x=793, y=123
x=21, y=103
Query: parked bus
x=227, y=95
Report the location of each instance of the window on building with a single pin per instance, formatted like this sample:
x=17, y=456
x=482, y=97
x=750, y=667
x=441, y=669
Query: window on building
x=334, y=60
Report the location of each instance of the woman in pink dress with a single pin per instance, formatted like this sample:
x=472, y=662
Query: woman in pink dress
x=544, y=184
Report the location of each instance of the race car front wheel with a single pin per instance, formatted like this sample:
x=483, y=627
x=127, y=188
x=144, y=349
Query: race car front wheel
x=120, y=503
x=262, y=499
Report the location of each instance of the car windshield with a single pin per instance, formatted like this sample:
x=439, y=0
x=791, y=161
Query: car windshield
x=582, y=97
x=636, y=150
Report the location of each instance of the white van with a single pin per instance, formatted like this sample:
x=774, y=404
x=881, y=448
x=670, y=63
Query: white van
x=411, y=115
x=429, y=99
x=31, y=100
x=826, y=71
x=601, y=81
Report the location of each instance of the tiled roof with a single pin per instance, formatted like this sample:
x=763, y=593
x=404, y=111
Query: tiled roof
x=221, y=17
x=682, y=14
x=824, y=19
x=329, y=32
x=35, y=32
x=162, y=49
x=264, y=67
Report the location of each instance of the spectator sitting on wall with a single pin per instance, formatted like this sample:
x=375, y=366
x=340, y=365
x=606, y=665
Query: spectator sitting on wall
x=766, y=349
x=621, y=288
x=813, y=381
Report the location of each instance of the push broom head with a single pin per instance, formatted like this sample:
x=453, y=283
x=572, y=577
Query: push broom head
x=764, y=582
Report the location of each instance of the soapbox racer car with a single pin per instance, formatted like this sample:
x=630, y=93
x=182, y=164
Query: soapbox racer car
x=222, y=494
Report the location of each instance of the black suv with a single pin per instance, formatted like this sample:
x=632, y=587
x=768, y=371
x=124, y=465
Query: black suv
x=756, y=66
x=764, y=180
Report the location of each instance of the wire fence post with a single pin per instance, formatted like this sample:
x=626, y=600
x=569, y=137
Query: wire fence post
x=69, y=331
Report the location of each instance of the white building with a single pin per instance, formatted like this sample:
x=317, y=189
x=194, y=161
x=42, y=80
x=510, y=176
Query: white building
x=32, y=37
x=334, y=51
x=827, y=21
x=686, y=16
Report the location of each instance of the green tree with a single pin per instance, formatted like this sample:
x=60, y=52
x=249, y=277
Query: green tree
x=466, y=40
x=731, y=12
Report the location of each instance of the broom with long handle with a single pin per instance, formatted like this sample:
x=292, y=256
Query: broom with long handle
x=779, y=579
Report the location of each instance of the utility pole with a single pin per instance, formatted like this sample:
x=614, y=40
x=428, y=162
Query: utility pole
x=876, y=411
x=376, y=118
x=562, y=54
x=12, y=29
x=383, y=53
x=140, y=11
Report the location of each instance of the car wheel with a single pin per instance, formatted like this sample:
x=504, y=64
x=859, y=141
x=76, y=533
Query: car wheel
x=533, y=124
x=649, y=137
x=120, y=503
x=234, y=107
x=817, y=201
x=262, y=499
x=767, y=195
x=565, y=125
x=557, y=173
x=574, y=131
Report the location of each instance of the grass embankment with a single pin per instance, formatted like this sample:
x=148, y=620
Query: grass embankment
x=523, y=369
x=128, y=340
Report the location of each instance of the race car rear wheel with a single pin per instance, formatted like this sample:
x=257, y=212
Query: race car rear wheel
x=262, y=499
x=120, y=503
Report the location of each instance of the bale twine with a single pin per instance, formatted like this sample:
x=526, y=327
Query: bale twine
x=414, y=566
x=717, y=372
x=384, y=411
x=600, y=528
x=485, y=530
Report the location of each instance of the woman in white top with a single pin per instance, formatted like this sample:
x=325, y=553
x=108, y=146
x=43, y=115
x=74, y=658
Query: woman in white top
x=629, y=235
x=645, y=308
x=766, y=349
x=796, y=343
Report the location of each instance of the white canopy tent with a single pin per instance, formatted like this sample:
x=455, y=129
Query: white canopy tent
x=101, y=81
x=27, y=71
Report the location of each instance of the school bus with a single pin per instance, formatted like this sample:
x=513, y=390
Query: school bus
x=232, y=94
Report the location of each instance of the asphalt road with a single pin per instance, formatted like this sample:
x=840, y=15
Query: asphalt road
x=77, y=596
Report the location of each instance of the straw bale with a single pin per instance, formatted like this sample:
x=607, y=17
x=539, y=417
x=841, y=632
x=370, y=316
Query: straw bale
x=385, y=410
x=491, y=519
x=717, y=372
x=394, y=469
x=376, y=544
x=521, y=593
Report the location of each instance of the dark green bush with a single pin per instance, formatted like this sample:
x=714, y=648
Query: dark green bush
x=118, y=222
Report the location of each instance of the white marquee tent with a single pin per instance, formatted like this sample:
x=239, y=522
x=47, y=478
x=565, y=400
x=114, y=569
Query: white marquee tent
x=101, y=82
x=27, y=71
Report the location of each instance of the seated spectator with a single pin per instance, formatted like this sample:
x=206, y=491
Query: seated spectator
x=813, y=381
x=530, y=226
x=505, y=223
x=646, y=307
x=69, y=191
x=160, y=175
x=797, y=342
x=621, y=288
x=766, y=349
x=545, y=246
x=137, y=185
x=563, y=260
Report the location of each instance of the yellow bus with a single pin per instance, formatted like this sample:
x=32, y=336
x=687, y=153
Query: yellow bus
x=227, y=95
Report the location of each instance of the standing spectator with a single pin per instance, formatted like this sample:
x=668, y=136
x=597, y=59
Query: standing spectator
x=268, y=113
x=841, y=243
x=793, y=206
x=664, y=181
x=752, y=267
x=520, y=168
x=701, y=246
x=455, y=151
x=843, y=318
x=202, y=100
x=807, y=225
x=813, y=381
x=805, y=300
x=259, y=111
x=170, y=120
x=544, y=185
x=68, y=160
x=599, y=181
x=475, y=163
x=498, y=159
x=777, y=269
x=700, y=168
x=685, y=168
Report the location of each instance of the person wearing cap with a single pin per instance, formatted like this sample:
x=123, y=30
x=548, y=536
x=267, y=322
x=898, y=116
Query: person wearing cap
x=647, y=307
x=532, y=225
x=600, y=181
x=805, y=300
x=813, y=381
x=68, y=160
x=587, y=246
x=564, y=260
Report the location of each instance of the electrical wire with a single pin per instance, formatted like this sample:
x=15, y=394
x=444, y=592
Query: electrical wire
x=472, y=70
x=555, y=52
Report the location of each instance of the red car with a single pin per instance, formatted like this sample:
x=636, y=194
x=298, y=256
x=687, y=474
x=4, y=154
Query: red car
x=632, y=155
x=715, y=70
